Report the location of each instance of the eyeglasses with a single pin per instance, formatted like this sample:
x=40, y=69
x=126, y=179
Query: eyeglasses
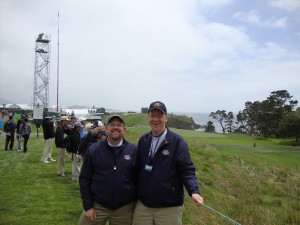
x=119, y=125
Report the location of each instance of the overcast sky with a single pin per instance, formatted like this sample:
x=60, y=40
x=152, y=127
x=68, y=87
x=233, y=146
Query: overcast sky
x=195, y=56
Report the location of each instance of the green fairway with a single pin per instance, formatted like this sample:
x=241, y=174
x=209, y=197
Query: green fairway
x=252, y=185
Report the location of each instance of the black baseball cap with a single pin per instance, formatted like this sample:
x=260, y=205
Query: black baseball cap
x=115, y=116
x=158, y=105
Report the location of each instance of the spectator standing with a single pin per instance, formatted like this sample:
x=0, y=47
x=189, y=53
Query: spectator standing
x=83, y=131
x=49, y=134
x=73, y=120
x=107, y=178
x=94, y=135
x=9, y=129
x=60, y=143
x=164, y=168
x=19, y=137
x=25, y=131
x=73, y=142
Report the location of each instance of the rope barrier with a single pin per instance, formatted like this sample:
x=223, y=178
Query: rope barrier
x=226, y=217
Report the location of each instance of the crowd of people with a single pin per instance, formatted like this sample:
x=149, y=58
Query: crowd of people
x=120, y=183
x=22, y=129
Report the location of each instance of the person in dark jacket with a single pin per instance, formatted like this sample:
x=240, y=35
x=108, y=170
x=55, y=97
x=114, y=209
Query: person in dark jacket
x=9, y=129
x=19, y=137
x=107, y=178
x=25, y=131
x=49, y=134
x=165, y=166
x=74, y=140
x=60, y=143
x=96, y=133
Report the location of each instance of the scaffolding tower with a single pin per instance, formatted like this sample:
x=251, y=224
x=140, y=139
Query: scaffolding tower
x=41, y=71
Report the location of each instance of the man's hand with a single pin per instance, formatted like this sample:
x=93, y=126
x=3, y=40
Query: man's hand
x=91, y=214
x=197, y=199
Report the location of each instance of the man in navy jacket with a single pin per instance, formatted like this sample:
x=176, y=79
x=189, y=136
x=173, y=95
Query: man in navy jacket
x=164, y=168
x=107, y=178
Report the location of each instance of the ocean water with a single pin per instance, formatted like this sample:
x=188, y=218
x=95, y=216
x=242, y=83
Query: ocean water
x=202, y=119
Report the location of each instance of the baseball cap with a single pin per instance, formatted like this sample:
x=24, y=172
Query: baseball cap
x=97, y=124
x=77, y=124
x=115, y=116
x=63, y=118
x=158, y=105
x=81, y=119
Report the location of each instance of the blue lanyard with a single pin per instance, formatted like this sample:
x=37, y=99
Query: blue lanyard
x=152, y=150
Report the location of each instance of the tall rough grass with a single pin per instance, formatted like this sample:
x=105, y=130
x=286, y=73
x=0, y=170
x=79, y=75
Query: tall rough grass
x=250, y=185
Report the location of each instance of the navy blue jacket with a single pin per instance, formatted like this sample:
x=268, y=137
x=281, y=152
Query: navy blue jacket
x=108, y=178
x=172, y=168
x=60, y=140
x=48, y=128
x=74, y=140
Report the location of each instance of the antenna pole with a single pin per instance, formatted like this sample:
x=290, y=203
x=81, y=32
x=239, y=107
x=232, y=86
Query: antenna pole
x=57, y=86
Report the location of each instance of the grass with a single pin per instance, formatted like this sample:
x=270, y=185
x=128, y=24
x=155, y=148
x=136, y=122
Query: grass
x=250, y=185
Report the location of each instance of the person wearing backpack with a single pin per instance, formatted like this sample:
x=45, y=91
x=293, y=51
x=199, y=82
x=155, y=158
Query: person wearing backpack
x=72, y=145
x=25, y=130
x=19, y=137
x=96, y=133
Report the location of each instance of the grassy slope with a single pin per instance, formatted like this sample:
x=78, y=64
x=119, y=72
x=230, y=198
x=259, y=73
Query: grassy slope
x=251, y=185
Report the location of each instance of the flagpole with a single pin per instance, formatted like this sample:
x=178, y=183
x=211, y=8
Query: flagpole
x=57, y=86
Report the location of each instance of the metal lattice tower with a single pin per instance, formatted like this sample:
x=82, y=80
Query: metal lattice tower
x=41, y=70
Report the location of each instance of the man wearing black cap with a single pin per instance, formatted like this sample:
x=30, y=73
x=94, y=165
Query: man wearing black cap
x=107, y=178
x=164, y=168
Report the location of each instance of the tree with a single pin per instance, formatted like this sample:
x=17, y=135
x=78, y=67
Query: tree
x=210, y=127
x=226, y=120
x=241, y=122
x=290, y=125
x=229, y=120
x=220, y=116
x=264, y=117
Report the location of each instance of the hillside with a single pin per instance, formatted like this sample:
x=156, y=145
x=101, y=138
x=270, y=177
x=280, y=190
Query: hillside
x=252, y=185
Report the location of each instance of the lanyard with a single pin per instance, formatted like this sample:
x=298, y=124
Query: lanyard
x=152, y=150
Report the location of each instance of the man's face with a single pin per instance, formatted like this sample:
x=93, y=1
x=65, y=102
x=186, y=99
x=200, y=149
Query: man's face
x=64, y=123
x=157, y=120
x=115, y=129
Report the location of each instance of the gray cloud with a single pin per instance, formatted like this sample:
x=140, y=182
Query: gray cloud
x=124, y=56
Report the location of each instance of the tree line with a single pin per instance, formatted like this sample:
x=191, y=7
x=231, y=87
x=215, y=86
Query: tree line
x=273, y=117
